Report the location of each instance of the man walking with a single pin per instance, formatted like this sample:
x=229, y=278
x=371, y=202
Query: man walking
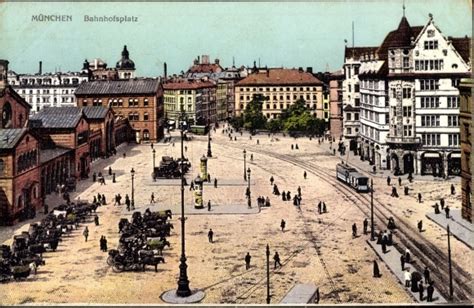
x=430, y=291
x=272, y=180
x=210, y=236
x=305, y=175
x=419, y=197
x=366, y=225
x=209, y=205
x=421, y=289
x=407, y=276
x=426, y=274
x=402, y=262
x=319, y=207
x=399, y=181
x=86, y=233
x=152, y=198
x=389, y=180
x=282, y=225
x=247, y=261
x=446, y=210
x=420, y=226
x=276, y=257
x=215, y=182
x=376, y=270
x=453, y=190
x=354, y=230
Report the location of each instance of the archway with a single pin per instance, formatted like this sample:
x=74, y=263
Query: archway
x=146, y=135
x=454, y=163
x=395, y=163
x=408, y=163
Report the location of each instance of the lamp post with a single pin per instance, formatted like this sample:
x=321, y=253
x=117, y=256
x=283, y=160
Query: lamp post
x=132, y=172
x=209, y=152
x=268, y=274
x=183, y=282
x=248, y=180
x=154, y=176
x=245, y=168
x=372, y=230
x=451, y=291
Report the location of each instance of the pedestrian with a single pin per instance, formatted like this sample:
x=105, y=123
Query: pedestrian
x=209, y=205
x=282, y=225
x=276, y=258
x=94, y=200
x=453, y=190
x=104, y=202
x=94, y=177
x=152, y=198
x=407, y=256
x=441, y=202
x=99, y=198
x=421, y=290
x=105, y=244
x=271, y=180
x=407, y=276
x=399, y=181
x=394, y=192
x=185, y=148
x=258, y=141
x=247, y=261
x=101, y=243
x=410, y=177
x=124, y=155
x=376, y=269
x=110, y=170
x=119, y=199
x=354, y=230
x=406, y=190
x=388, y=180
x=296, y=146
x=96, y=220
x=366, y=225
x=304, y=175
x=402, y=261
x=251, y=157
x=430, y=291
x=299, y=191
x=324, y=207
x=384, y=243
x=86, y=233
x=446, y=210
x=215, y=182
x=209, y=178
x=210, y=236
x=436, y=208
x=288, y=196
x=191, y=187
x=127, y=202
x=426, y=274
x=235, y=138
x=419, y=197
x=319, y=207
x=420, y=226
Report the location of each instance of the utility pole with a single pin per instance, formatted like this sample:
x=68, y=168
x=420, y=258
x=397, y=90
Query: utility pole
x=268, y=274
x=372, y=229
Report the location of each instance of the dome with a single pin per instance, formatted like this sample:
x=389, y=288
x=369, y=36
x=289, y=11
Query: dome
x=125, y=62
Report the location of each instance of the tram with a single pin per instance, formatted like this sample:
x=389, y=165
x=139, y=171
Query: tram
x=351, y=177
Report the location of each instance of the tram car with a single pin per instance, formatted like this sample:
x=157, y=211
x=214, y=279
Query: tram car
x=351, y=177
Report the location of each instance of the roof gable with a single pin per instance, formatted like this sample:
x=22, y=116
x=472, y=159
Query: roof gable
x=9, y=138
x=56, y=117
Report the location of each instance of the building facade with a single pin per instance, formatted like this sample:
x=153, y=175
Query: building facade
x=466, y=118
x=335, y=104
x=282, y=87
x=139, y=100
x=42, y=90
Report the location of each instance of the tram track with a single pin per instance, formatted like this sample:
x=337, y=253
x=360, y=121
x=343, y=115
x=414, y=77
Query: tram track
x=423, y=249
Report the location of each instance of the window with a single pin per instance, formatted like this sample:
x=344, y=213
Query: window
x=406, y=62
x=145, y=116
x=356, y=88
x=406, y=92
x=429, y=102
x=349, y=130
x=453, y=102
x=145, y=102
x=407, y=111
x=455, y=82
x=453, y=120
x=431, y=139
x=430, y=33
x=431, y=44
x=356, y=116
x=350, y=88
x=430, y=120
x=357, y=102
x=348, y=116
x=429, y=84
x=356, y=70
x=453, y=139
x=407, y=130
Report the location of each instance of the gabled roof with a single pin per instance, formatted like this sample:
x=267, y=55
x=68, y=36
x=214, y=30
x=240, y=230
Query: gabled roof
x=119, y=87
x=401, y=37
x=9, y=138
x=56, y=117
x=462, y=46
x=279, y=76
x=16, y=96
x=95, y=112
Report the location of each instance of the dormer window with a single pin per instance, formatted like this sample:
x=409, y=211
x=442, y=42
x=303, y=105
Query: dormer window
x=430, y=33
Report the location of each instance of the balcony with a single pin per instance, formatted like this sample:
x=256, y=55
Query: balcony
x=403, y=140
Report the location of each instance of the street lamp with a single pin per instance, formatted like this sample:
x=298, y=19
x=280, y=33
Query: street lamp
x=209, y=153
x=372, y=229
x=154, y=175
x=245, y=173
x=268, y=274
x=132, y=172
x=183, y=281
x=451, y=290
x=250, y=198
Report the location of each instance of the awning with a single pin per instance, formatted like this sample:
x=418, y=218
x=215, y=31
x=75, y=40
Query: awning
x=431, y=155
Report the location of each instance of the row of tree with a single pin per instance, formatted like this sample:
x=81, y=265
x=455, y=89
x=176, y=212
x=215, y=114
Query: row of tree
x=296, y=118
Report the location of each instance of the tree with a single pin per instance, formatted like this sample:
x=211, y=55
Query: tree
x=253, y=115
x=297, y=118
x=237, y=122
x=274, y=125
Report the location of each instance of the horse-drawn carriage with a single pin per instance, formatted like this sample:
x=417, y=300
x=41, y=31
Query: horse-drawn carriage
x=170, y=168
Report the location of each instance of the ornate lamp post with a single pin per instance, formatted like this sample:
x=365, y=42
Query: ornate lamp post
x=183, y=282
x=154, y=176
x=245, y=158
x=132, y=172
x=248, y=179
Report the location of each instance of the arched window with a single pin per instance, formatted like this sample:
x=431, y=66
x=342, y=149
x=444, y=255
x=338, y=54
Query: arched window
x=6, y=115
x=20, y=202
x=146, y=134
x=2, y=166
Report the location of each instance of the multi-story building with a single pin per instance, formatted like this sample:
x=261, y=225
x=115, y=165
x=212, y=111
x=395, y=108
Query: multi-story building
x=282, y=87
x=351, y=95
x=97, y=70
x=424, y=68
x=225, y=96
x=196, y=96
x=203, y=66
x=139, y=100
x=335, y=103
x=466, y=118
x=48, y=89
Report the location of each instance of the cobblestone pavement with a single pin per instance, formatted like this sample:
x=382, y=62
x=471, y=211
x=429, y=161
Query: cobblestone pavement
x=314, y=248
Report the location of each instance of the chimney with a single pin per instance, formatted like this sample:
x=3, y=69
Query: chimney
x=309, y=70
x=300, y=69
x=40, y=67
x=165, y=68
x=3, y=74
x=216, y=61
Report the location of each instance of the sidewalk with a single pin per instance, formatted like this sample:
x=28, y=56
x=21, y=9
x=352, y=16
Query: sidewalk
x=460, y=228
x=392, y=260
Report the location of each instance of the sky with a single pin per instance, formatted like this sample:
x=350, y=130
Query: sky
x=289, y=34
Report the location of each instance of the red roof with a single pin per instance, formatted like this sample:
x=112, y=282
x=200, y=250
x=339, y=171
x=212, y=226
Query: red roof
x=279, y=76
x=187, y=85
x=205, y=68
